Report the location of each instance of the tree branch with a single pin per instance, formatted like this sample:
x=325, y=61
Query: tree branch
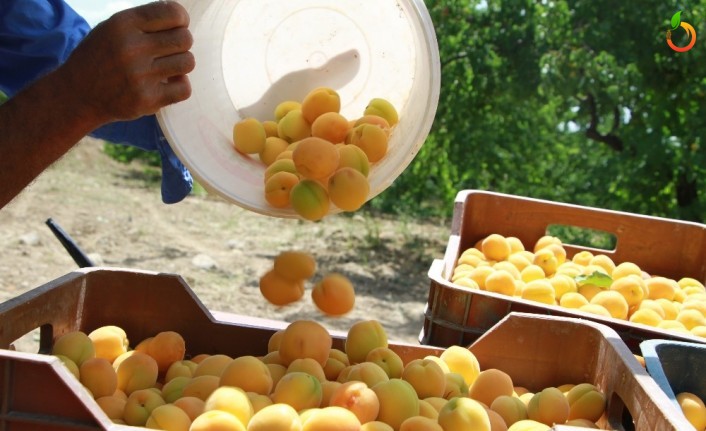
x=610, y=138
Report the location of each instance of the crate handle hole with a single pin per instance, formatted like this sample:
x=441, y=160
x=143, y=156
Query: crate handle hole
x=584, y=237
x=38, y=340
x=618, y=414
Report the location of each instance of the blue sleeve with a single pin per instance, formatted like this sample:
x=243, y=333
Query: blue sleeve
x=36, y=36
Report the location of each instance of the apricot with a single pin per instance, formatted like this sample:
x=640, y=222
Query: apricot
x=212, y=420
x=334, y=295
x=249, y=374
x=532, y=272
x=495, y=247
x=383, y=108
x=274, y=146
x=455, y=385
x=332, y=368
x=427, y=410
x=501, y=282
x=270, y=127
x=376, y=426
x=661, y=287
x=276, y=337
x=278, y=188
x=352, y=156
x=276, y=372
x=109, y=342
x=113, y=406
x=212, y=366
x=367, y=372
x=398, y=401
x=320, y=101
x=310, y=200
x=284, y=107
x=200, y=387
x=462, y=361
x=327, y=389
x=275, y=417
x=305, y=339
x=137, y=371
x=70, y=365
x=631, y=287
x=287, y=154
x=586, y=401
x=98, y=376
x=364, y=336
x=510, y=408
x=371, y=139
x=293, y=126
x=183, y=368
x=358, y=398
x=281, y=165
x=279, y=290
x=613, y=301
x=192, y=406
x=259, y=401
x=461, y=413
x=167, y=347
x=562, y=285
x=173, y=389
x=420, y=423
x=168, y=417
x=693, y=408
x=528, y=425
x=299, y=390
x=426, y=377
x=330, y=126
x=624, y=269
x=233, y=400
x=596, y=309
x=295, y=265
x=249, y=136
x=490, y=384
x=545, y=259
x=139, y=406
x=315, y=158
x=375, y=120
x=540, y=291
x=388, y=360
x=75, y=345
x=348, y=189
x=549, y=407
x=309, y=366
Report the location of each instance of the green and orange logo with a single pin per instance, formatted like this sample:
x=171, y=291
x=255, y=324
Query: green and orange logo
x=676, y=23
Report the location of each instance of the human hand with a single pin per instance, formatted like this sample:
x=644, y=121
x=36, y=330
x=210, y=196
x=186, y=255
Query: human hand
x=132, y=64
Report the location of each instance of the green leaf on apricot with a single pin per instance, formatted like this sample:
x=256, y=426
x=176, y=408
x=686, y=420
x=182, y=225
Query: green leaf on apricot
x=597, y=278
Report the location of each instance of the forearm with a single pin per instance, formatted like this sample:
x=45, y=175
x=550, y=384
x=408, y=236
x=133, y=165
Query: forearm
x=37, y=127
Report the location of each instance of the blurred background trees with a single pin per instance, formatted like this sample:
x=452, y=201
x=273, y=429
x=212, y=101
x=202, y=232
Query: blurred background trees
x=575, y=101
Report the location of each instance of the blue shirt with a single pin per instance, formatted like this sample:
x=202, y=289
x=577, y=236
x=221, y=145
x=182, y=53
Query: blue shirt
x=36, y=36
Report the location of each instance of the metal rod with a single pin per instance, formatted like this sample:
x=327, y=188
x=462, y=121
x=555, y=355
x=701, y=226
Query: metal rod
x=70, y=245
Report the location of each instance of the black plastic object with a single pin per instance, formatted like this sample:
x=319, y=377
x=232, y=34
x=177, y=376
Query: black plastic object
x=70, y=245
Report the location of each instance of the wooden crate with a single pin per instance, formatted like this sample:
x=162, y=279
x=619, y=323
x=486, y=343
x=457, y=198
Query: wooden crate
x=454, y=315
x=38, y=393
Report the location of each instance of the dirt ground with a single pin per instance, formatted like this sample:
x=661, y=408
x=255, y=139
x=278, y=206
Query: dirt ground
x=220, y=249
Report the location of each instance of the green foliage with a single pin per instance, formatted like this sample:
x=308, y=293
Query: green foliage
x=575, y=101
x=126, y=154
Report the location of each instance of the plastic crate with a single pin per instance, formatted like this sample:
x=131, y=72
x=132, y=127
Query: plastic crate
x=38, y=393
x=676, y=366
x=454, y=315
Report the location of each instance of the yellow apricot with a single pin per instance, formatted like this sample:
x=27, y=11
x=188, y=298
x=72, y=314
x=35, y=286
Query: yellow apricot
x=310, y=200
x=693, y=408
x=75, y=345
x=137, y=371
x=613, y=301
x=213, y=365
x=320, y=101
x=545, y=259
x=233, y=400
x=563, y=284
x=455, y=384
x=281, y=165
x=139, y=406
x=283, y=108
x=398, y=401
x=247, y=373
x=357, y=397
x=168, y=417
x=461, y=413
x=645, y=316
x=293, y=126
x=330, y=126
x=348, y=189
x=315, y=158
x=624, y=269
x=192, y=406
x=426, y=377
x=532, y=272
x=383, y=108
x=109, y=342
x=596, y=309
x=98, y=376
x=352, y=156
x=305, y=339
x=630, y=287
x=112, y=406
x=661, y=287
x=420, y=423
x=495, y=247
x=490, y=384
x=374, y=120
x=586, y=401
x=279, y=290
x=309, y=366
x=249, y=136
x=549, y=407
x=275, y=417
x=279, y=187
x=334, y=295
x=510, y=408
x=174, y=389
x=270, y=127
x=540, y=290
x=216, y=420
x=371, y=139
x=364, y=336
x=462, y=361
x=545, y=241
x=299, y=390
x=274, y=146
x=573, y=300
x=582, y=258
